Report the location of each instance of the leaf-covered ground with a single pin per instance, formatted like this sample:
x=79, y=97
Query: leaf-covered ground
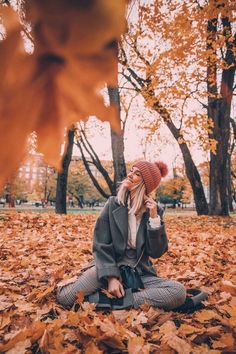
x=38, y=250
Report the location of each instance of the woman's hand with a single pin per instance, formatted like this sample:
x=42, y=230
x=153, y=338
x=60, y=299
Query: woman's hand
x=152, y=206
x=115, y=287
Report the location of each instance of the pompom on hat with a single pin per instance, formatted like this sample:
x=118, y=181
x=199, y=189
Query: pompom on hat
x=152, y=172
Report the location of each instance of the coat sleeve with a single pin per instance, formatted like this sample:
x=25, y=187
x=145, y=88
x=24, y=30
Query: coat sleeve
x=156, y=241
x=103, y=249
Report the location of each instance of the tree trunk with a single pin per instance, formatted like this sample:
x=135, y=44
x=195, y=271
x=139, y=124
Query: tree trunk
x=195, y=181
x=233, y=190
x=63, y=175
x=230, y=191
x=117, y=140
x=190, y=167
x=219, y=113
x=219, y=161
x=232, y=177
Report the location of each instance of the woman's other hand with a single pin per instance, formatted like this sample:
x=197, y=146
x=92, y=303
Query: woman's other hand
x=115, y=287
x=151, y=205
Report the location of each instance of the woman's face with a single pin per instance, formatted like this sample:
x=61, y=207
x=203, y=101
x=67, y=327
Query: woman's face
x=133, y=179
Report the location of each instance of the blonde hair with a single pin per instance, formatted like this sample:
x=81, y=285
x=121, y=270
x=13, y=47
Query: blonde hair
x=138, y=201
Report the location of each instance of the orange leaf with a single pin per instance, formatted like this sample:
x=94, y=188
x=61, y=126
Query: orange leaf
x=227, y=341
x=178, y=344
x=20, y=347
x=229, y=287
x=206, y=315
x=186, y=329
x=136, y=345
x=168, y=328
x=106, y=292
x=92, y=348
x=34, y=332
x=74, y=55
x=80, y=297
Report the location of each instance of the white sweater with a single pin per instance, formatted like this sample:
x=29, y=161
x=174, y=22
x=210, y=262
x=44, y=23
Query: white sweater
x=133, y=225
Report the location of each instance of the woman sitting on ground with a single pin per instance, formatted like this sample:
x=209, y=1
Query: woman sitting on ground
x=129, y=230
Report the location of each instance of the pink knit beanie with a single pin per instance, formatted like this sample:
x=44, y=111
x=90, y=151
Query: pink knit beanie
x=152, y=173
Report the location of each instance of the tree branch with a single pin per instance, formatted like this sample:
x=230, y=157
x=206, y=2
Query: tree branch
x=137, y=78
x=126, y=109
x=128, y=78
x=95, y=159
x=139, y=55
x=86, y=165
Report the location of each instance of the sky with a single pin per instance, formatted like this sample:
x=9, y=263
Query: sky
x=136, y=145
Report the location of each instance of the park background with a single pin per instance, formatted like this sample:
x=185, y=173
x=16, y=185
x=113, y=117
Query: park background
x=84, y=95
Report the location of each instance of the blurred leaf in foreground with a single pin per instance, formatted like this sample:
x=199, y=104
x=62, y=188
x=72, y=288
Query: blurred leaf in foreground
x=75, y=53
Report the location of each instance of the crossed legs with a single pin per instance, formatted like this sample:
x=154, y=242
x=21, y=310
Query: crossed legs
x=158, y=292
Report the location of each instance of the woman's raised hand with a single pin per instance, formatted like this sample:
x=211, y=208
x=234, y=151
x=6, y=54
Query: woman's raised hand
x=152, y=206
x=115, y=287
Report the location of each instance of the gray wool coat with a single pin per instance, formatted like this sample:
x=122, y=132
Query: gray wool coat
x=111, y=237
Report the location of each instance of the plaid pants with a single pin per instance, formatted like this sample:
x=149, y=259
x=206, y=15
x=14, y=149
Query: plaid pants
x=159, y=292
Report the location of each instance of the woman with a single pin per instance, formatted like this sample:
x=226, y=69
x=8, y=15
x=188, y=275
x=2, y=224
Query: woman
x=128, y=231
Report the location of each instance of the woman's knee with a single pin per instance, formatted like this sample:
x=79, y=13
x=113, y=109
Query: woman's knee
x=177, y=295
x=62, y=297
x=86, y=282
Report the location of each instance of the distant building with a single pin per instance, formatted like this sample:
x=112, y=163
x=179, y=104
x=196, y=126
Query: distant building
x=34, y=170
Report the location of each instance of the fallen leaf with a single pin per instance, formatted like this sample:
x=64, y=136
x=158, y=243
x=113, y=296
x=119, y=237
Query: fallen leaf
x=178, y=344
x=80, y=297
x=227, y=341
x=168, y=328
x=206, y=315
x=186, y=330
x=66, y=281
x=5, y=319
x=141, y=318
x=4, y=305
x=224, y=297
x=92, y=348
x=229, y=287
x=35, y=331
x=112, y=342
x=106, y=292
x=136, y=345
x=20, y=347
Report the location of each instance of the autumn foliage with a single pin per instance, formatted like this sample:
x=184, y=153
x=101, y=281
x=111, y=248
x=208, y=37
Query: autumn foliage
x=37, y=251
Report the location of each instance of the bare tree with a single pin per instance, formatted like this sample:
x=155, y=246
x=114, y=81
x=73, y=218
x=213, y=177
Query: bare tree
x=90, y=157
x=63, y=174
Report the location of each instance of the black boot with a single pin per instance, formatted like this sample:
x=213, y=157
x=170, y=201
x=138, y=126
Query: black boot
x=193, y=301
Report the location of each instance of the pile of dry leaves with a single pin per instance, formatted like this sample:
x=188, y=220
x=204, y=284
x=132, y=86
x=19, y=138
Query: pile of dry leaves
x=37, y=251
